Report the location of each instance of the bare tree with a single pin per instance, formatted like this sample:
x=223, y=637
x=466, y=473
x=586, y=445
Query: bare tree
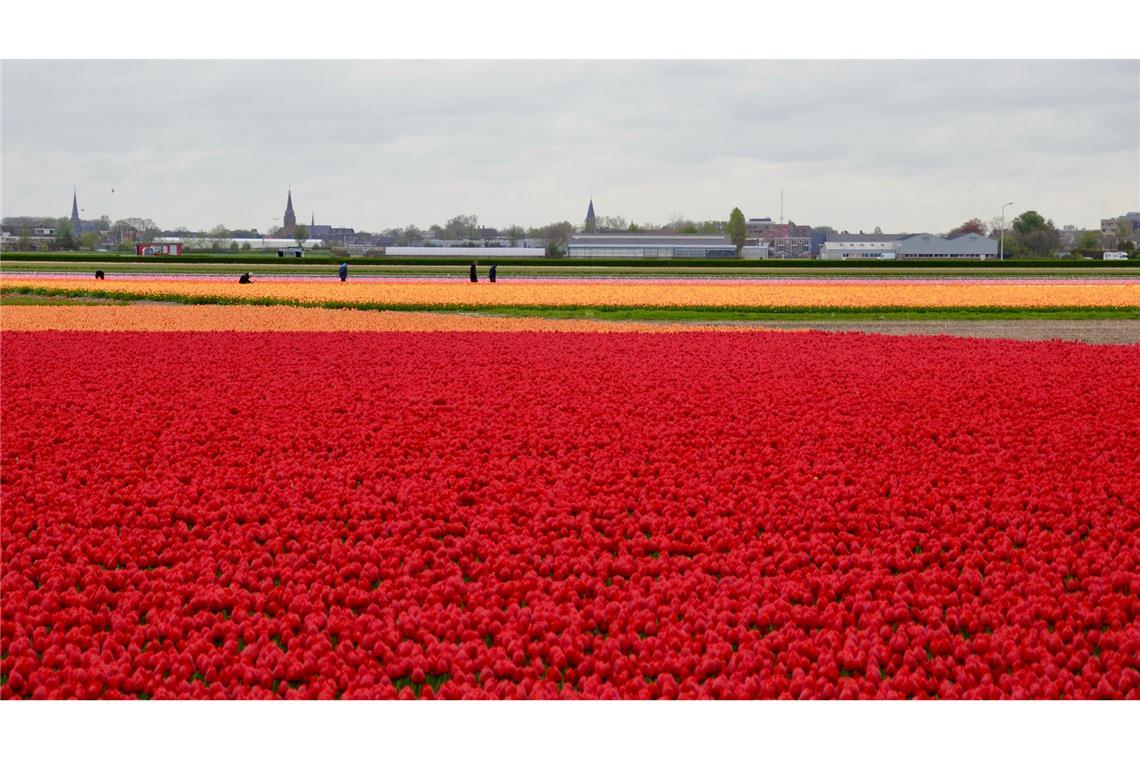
x=974, y=225
x=555, y=237
x=612, y=224
x=218, y=237
x=410, y=235
x=679, y=223
x=461, y=227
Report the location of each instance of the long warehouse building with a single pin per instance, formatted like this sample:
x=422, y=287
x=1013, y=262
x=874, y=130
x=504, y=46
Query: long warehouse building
x=650, y=246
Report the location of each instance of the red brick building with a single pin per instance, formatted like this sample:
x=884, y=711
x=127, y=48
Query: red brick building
x=785, y=241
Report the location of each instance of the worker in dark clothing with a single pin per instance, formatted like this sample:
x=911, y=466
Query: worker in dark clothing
x=244, y=279
x=494, y=267
x=474, y=271
x=343, y=271
x=99, y=275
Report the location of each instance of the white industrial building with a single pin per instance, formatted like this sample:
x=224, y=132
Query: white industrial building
x=650, y=246
x=254, y=243
x=461, y=251
x=760, y=251
x=856, y=247
x=887, y=247
x=968, y=246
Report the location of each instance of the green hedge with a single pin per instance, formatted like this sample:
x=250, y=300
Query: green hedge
x=486, y=258
x=186, y=258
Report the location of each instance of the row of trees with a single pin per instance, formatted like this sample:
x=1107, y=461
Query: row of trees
x=466, y=227
x=1033, y=236
x=96, y=232
x=554, y=235
x=1030, y=235
x=462, y=227
x=102, y=224
x=677, y=225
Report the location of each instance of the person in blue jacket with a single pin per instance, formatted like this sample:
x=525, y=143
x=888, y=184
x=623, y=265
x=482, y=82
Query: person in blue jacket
x=343, y=271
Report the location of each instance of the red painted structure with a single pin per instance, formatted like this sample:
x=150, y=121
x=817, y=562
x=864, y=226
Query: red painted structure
x=158, y=249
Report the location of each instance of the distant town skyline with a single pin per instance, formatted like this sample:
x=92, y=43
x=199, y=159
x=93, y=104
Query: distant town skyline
x=899, y=145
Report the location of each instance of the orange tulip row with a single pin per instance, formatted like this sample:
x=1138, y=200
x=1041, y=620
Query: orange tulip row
x=157, y=318
x=630, y=294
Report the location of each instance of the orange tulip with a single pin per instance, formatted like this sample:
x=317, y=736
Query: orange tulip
x=294, y=319
x=630, y=294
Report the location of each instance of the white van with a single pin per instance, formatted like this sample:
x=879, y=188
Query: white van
x=1115, y=255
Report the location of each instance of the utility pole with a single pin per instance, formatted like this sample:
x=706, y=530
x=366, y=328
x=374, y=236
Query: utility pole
x=1001, y=244
x=119, y=238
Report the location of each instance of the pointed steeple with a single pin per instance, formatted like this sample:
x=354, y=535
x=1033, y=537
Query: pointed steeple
x=312, y=220
x=74, y=207
x=591, y=223
x=290, y=219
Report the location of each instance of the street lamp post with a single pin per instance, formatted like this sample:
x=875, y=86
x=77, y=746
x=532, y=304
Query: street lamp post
x=1001, y=244
x=119, y=238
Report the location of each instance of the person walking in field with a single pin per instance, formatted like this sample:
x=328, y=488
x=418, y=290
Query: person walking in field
x=474, y=271
x=343, y=271
x=99, y=275
x=492, y=272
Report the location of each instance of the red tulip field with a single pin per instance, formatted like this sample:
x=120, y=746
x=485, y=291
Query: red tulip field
x=568, y=515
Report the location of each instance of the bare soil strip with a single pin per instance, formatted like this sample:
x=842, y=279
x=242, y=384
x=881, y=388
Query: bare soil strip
x=1104, y=331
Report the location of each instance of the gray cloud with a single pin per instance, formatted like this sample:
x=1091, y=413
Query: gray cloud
x=903, y=145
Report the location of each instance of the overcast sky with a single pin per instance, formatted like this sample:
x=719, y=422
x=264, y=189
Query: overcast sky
x=906, y=146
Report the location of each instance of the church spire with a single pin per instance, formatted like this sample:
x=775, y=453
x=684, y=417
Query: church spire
x=591, y=223
x=290, y=219
x=74, y=207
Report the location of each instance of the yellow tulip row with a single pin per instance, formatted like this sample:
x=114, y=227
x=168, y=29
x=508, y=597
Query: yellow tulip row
x=628, y=294
x=159, y=318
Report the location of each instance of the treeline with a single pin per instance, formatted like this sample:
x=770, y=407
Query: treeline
x=1031, y=236
x=1026, y=236
x=466, y=227
x=94, y=232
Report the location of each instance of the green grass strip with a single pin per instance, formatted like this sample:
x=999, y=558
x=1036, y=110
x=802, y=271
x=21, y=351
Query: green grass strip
x=486, y=256
x=792, y=314
x=627, y=313
x=508, y=270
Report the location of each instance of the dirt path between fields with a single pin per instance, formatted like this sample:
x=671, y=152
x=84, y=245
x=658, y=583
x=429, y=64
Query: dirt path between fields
x=1119, y=331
